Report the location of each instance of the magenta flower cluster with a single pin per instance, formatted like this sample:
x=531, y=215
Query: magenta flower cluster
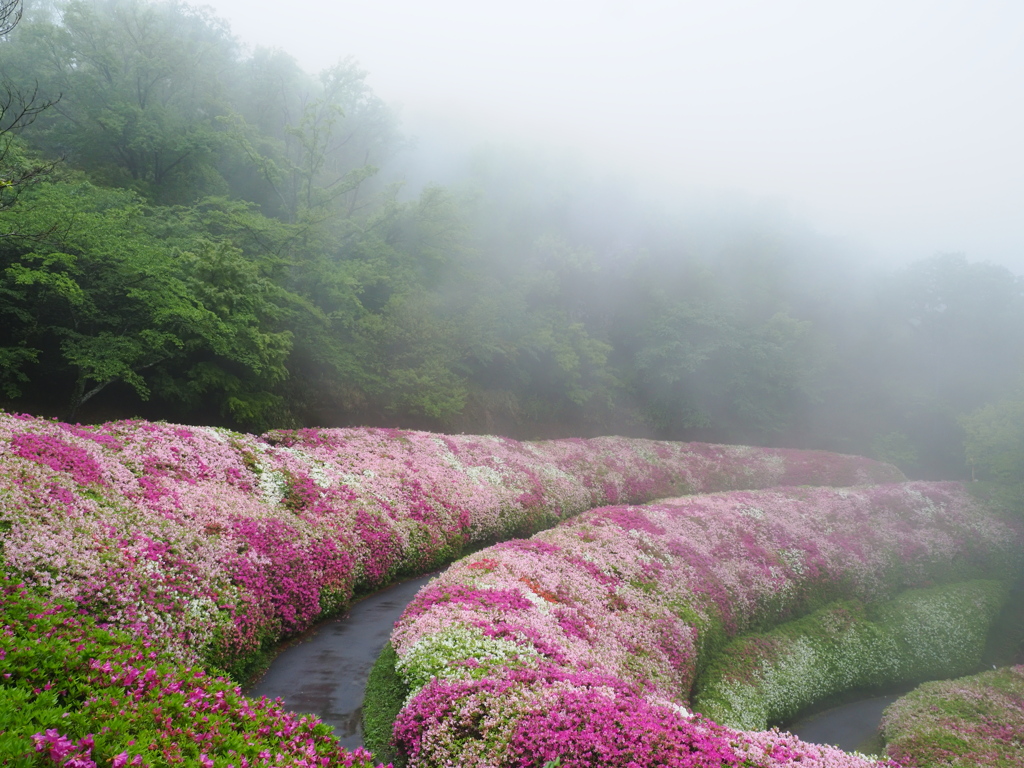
x=582, y=644
x=111, y=700
x=65, y=752
x=588, y=719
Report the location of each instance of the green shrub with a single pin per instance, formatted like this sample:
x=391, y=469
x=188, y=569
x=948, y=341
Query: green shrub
x=70, y=689
x=768, y=678
x=972, y=721
x=994, y=447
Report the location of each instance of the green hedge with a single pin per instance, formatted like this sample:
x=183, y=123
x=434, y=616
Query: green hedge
x=768, y=678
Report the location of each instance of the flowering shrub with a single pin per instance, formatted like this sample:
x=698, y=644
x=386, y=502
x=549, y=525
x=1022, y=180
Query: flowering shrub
x=216, y=544
x=922, y=634
x=77, y=696
x=207, y=546
x=963, y=723
x=608, y=618
x=529, y=716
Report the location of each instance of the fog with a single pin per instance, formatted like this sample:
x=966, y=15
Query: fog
x=796, y=228
x=894, y=124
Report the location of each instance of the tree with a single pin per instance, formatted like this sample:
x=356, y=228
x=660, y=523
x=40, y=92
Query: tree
x=142, y=87
x=941, y=338
x=314, y=144
x=100, y=302
x=18, y=170
x=994, y=447
x=10, y=15
x=698, y=365
x=995, y=441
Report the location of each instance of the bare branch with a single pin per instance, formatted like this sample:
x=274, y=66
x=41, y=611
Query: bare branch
x=10, y=15
x=20, y=107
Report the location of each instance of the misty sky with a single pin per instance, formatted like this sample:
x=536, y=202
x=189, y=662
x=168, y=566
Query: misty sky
x=896, y=123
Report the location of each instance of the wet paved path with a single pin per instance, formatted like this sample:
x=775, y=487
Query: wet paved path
x=852, y=726
x=326, y=672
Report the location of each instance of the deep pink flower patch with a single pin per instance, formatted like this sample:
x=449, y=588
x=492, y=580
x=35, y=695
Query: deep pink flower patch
x=275, y=563
x=629, y=519
x=459, y=594
x=382, y=541
x=51, y=451
x=585, y=720
x=62, y=751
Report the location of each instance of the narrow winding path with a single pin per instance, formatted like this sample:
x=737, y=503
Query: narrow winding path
x=326, y=672
x=850, y=727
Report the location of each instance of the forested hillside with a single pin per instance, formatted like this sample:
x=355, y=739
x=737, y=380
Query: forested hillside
x=194, y=231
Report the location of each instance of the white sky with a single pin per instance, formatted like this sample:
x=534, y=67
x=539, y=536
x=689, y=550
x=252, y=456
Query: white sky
x=898, y=122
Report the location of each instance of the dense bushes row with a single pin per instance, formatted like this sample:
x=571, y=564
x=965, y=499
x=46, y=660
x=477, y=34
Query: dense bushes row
x=607, y=620
x=768, y=678
x=220, y=543
x=582, y=644
x=210, y=546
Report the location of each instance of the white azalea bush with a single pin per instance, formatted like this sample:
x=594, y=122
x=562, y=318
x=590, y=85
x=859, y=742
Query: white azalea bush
x=460, y=652
x=768, y=678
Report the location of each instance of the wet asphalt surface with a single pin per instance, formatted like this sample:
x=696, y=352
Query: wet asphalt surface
x=325, y=673
x=852, y=726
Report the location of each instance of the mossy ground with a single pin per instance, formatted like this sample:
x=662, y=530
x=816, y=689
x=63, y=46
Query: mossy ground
x=385, y=695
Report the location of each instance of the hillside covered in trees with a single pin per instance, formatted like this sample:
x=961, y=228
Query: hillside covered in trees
x=194, y=231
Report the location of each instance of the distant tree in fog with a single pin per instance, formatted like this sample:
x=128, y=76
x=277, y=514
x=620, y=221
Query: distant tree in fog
x=10, y=15
x=995, y=443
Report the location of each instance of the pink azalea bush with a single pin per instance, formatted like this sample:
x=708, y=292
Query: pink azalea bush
x=206, y=547
x=77, y=696
x=608, y=618
x=973, y=721
x=217, y=544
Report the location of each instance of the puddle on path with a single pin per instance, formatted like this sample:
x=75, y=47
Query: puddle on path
x=325, y=673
